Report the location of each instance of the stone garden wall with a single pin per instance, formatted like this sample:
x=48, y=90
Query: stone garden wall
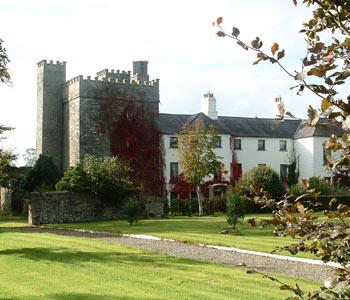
x=67, y=207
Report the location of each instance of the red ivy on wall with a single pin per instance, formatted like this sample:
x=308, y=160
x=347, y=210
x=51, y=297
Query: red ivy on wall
x=136, y=139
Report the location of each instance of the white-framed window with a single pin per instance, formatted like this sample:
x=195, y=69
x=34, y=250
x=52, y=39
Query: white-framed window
x=174, y=171
x=283, y=171
x=283, y=145
x=261, y=145
x=218, y=141
x=237, y=144
x=174, y=142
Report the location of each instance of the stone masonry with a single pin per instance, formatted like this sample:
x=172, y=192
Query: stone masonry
x=66, y=207
x=74, y=117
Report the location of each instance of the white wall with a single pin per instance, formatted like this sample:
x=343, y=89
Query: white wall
x=304, y=148
x=250, y=157
x=319, y=169
x=171, y=154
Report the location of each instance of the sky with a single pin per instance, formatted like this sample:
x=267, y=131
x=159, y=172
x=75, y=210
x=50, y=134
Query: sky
x=176, y=37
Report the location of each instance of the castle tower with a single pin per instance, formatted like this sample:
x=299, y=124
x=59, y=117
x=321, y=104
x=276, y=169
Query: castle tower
x=50, y=80
x=140, y=73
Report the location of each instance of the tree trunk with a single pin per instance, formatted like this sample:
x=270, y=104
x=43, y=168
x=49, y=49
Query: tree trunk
x=199, y=197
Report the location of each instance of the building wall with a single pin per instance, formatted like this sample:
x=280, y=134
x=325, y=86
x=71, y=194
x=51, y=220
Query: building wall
x=320, y=169
x=171, y=154
x=71, y=123
x=250, y=156
x=51, y=77
x=305, y=151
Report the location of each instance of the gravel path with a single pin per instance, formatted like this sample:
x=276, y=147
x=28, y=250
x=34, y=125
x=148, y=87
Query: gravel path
x=253, y=260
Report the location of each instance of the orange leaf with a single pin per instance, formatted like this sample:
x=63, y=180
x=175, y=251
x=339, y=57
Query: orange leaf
x=274, y=48
x=219, y=20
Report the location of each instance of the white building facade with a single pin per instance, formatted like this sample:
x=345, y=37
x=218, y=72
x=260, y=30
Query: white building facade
x=251, y=142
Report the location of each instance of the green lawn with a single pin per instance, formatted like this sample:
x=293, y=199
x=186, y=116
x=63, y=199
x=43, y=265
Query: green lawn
x=204, y=230
x=49, y=266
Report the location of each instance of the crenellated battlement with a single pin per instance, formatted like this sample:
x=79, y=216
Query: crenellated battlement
x=52, y=63
x=152, y=83
x=73, y=80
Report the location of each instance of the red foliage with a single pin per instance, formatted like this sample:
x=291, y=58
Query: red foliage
x=135, y=138
x=236, y=169
x=184, y=188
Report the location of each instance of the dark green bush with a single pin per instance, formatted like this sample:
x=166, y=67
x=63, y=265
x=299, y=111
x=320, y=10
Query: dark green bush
x=263, y=177
x=107, y=177
x=43, y=176
x=235, y=208
x=132, y=209
x=322, y=186
x=74, y=179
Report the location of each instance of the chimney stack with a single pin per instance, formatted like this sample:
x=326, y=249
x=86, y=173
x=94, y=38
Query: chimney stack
x=278, y=108
x=209, y=106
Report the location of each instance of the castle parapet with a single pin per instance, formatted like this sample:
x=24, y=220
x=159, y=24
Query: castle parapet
x=51, y=62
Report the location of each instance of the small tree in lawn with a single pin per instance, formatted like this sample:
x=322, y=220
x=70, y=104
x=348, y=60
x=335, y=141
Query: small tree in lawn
x=235, y=209
x=197, y=156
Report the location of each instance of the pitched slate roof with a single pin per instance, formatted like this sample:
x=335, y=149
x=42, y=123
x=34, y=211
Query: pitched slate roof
x=247, y=127
x=321, y=131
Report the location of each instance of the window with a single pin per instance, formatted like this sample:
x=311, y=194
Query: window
x=261, y=145
x=237, y=144
x=173, y=142
x=217, y=141
x=283, y=145
x=326, y=152
x=283, y=171
x=174, y=171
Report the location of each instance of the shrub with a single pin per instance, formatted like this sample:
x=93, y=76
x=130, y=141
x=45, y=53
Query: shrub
x=74, y=179
x=235, y=208
x=132, y=209
x=108, y=177
x=263, y=177
x=43, y=176
x=297, y=189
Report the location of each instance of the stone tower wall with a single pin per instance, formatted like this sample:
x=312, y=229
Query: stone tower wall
x=50, y=80
x=71, y=123
x=101, y=103
x=77, y=116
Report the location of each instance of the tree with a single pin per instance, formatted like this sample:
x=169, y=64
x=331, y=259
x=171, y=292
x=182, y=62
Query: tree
x=235, y=208
x=6, y=157
x=263, y=177
x=4, y=60
x=43, y=176
x=29, y=157
x=324, y=70
x=197, y=156
x=108, y=177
